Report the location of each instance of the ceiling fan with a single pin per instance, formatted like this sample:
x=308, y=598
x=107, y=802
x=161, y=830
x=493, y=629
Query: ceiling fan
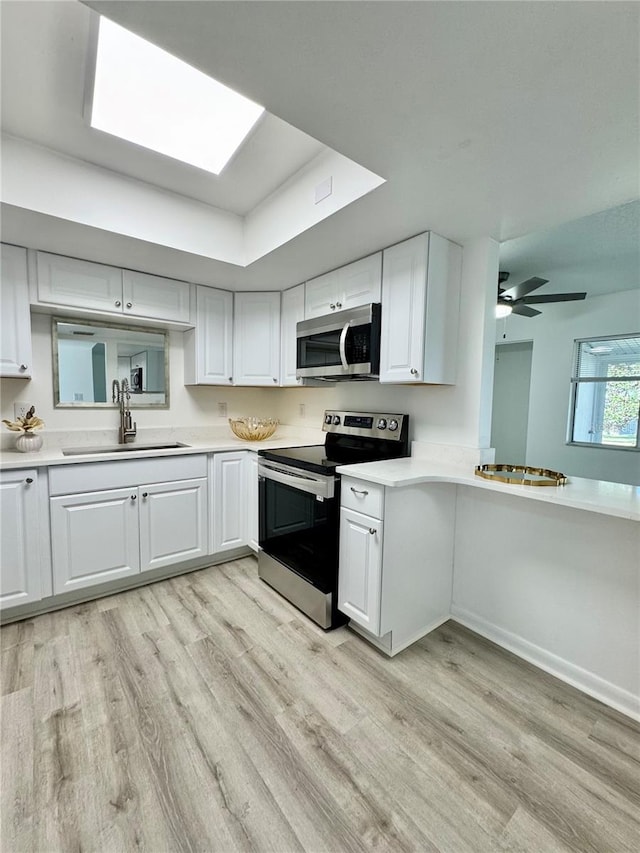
x=516, y=300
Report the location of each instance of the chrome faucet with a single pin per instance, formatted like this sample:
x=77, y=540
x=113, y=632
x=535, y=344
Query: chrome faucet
x=120, y=394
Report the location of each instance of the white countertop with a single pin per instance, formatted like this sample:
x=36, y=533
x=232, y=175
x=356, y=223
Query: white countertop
x=11, y=459
x=616, y=499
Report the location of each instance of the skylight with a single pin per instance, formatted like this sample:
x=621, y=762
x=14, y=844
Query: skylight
x=145, y=95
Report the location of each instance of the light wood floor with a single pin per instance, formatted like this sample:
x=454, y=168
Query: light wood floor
x=204, y=713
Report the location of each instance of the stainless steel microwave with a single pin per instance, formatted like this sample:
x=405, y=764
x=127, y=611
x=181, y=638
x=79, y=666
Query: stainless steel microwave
x=342, y=345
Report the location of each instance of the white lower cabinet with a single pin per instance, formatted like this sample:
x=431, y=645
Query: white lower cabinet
x=361, y=555
x=173, y=523
x=94, y=538
x=20, y=553
x=396, y=567
x=229, y=501
x=253, y=515
x=129, y=525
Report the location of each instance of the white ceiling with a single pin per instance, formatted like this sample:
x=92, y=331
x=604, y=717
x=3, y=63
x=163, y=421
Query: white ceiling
x=598, y=254
x=491, y=118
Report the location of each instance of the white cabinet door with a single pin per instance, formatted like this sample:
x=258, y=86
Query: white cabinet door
x=322, y=295
x=229, y=501
x=404, y=285
x=256, y=339
x=292, y=313
x=360, y=574
x=173, y=522
x=152, y=296
x=15, y=320
x=420, y=311
x=208, y=348
x=94, y=538
x=253, y=516
x=20, y=570
x=360, y=282
x=78, y=284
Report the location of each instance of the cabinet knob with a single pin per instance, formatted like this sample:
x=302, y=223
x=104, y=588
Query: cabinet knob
x=338, y=304
x=274, y=379
x=414, y=372
x=129, y=304
x=117, y=303
x=231, y=379
x=332, y=306
x=23, y=366
x=372, y=531
x=134, y=497
x=29, y=480
x=145, y=494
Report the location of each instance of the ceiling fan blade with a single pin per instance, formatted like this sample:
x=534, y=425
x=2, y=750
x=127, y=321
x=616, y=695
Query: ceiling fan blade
x=527, y=286
x=525, y=311
x=552, y=297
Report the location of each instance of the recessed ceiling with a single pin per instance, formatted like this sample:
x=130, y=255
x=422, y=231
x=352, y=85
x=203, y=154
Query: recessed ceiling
x=485, y=119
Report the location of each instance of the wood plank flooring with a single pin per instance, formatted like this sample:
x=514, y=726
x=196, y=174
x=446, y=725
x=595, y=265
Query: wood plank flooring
x=204, y=713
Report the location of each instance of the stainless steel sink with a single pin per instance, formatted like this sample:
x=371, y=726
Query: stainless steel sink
x=120, y=448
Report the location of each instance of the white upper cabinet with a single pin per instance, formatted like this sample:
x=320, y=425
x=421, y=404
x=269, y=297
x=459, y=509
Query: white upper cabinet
x=347, y=287
x=87, y=286
x=78, y=284
x=208, y=348
x=15, y=320
x=151, y=296
x=420, y=311
x=256, y=339
x=292, y=313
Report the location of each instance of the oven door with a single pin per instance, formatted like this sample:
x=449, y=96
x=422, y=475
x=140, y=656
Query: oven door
x=299, y=522
x=341, y=345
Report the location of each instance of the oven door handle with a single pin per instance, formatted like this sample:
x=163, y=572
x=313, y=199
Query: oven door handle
x=343, y=344
x=321, y=486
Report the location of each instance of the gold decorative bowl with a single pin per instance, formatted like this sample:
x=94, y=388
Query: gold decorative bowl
x=253, y=429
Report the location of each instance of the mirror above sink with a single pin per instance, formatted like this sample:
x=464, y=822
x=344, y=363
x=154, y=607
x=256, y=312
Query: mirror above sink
x=88, y=355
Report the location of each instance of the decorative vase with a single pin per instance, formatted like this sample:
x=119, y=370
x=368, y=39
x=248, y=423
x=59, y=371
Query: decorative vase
x=29, y=442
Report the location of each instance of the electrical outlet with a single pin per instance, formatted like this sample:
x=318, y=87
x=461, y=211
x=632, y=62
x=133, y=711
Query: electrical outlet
x=222, y=410
x=303, y=410
x=20, y=410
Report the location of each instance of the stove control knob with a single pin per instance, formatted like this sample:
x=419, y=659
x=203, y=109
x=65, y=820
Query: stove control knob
x=328, y=419
x=393, y=425
x=382, y=424
x=336, y=420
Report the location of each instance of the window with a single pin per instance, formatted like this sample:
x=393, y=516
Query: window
x=606, y=392
x=143, y=94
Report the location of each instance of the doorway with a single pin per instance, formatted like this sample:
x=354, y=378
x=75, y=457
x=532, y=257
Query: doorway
x=510, y=413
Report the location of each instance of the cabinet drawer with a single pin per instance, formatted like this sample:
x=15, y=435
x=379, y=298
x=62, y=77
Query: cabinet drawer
x=364, y=497
x=93, y=476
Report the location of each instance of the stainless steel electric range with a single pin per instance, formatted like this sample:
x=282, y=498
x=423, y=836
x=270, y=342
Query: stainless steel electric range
x=300, y=506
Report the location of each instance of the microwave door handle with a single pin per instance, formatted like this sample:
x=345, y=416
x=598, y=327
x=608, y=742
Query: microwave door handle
x=343, y=345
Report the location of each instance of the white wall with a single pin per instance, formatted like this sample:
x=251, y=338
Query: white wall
x=553, y=334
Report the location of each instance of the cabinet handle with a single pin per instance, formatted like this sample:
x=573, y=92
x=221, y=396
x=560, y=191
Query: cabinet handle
x=134, y=497
x=372, y=531
x=118, y=303
x=145, y=494
x=23, y=366
x=414, y=372
x=29, y=480
x=338, y=304
x=359, y=491
x=129, y=304
x=332, y=306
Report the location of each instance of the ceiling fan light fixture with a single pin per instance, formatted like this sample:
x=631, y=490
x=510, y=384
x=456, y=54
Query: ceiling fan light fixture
x=503, y=310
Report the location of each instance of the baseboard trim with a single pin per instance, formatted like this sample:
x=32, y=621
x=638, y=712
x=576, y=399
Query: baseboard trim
x=588, y=682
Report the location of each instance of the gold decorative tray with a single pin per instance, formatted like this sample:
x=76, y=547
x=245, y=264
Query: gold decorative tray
x=521, y=475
